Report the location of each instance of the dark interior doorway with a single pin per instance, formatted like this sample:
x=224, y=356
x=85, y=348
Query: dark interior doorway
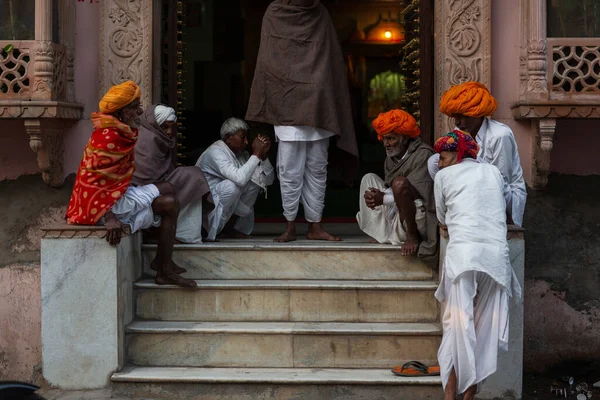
x=209, y=55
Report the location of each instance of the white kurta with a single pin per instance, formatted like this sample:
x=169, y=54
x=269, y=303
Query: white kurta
x=477, y=278
x=383, y=223
x=234, y=181
x=302, y=170
x=499, y=148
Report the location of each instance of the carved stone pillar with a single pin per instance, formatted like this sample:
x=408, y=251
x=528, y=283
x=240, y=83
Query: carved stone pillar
x=533, y=25
x=43, y=66
x=462, y=48
x=46, y=140
x=126, y=45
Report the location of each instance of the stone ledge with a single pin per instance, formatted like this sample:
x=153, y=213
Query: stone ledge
x=40, y=109
x=67, y=231
x=555, y=109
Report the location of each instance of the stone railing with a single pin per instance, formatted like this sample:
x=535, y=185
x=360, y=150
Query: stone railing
x=574, y=69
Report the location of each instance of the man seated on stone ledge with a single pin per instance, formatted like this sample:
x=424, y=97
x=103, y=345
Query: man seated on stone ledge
x=400, y=209
x=156, y=161
x=477, y=279
x=103, y=193
x=235, y=178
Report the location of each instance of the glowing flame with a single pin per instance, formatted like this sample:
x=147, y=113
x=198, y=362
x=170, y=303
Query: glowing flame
x=388, y=34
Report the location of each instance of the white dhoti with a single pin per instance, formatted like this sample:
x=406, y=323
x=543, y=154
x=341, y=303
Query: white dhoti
x=475, y=322
x=134, y=208
x=302, y=171
x=383, y=223
x=189, y=223
x=231, y=199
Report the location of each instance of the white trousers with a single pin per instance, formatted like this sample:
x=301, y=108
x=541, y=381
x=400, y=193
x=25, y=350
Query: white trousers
x=230, y=199
x=302, y=172
x=475, y=322
x=383, y=223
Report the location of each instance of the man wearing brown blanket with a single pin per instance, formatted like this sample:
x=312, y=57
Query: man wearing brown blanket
x=156, y=161
x=300, y=87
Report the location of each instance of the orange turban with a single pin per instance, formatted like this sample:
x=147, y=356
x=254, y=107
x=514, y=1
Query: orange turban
x=119, y=96
x=472, y=99
x=396, y=121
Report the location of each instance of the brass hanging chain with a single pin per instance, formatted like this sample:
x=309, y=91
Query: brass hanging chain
x=411, y=60
x=180, y=85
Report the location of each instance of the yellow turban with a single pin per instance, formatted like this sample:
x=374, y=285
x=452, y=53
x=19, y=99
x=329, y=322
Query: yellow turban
x=119, y=96
x=396, y=121
x=472, y=99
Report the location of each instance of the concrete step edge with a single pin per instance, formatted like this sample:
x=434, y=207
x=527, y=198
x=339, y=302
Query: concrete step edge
x=235, y=284
x=298, y=376
x=261, y=246
x=286, y=328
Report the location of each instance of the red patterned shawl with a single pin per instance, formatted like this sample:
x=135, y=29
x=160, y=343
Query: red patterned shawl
x=105, y=171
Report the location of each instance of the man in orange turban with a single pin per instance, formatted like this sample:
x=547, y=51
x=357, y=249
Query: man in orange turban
x=470, y=105
x=400, y=208
x=103, y=193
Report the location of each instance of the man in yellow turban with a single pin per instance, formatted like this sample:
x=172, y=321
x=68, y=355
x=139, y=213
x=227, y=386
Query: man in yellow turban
x=400, y=209
x=470, y=105
x=103, y=193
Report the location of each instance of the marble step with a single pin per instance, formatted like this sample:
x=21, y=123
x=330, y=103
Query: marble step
x=289, y=300
x=271, y=383
x=281, y=344
x=260, y=258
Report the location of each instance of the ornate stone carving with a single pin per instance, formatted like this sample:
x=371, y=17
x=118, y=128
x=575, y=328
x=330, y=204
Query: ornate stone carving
x=43, y=71
x=463, y=52
x=547, y=129
x=126, y=48
x=46, y=140
x=536, y=66
x=541, y=152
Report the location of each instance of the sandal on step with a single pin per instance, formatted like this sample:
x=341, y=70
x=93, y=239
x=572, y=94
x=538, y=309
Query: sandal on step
x=416, y=368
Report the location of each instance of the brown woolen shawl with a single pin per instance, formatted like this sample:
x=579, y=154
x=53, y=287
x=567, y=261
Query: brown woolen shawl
x=414, y=168
x=156, y=161
x=300, y=77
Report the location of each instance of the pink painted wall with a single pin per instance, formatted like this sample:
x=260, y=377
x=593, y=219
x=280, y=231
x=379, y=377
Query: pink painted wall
x=86, y=81
x=576, y=144
x=16, y=158
x=505, y=74
x=20, y=323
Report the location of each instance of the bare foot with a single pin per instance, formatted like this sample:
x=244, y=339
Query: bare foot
x=171, y=278
x=374, y=241
x=316, y=232
x=410, y=246
x=174, y=267
x=289, y=235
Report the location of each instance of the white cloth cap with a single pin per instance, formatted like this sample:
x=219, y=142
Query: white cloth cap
x=163, y=114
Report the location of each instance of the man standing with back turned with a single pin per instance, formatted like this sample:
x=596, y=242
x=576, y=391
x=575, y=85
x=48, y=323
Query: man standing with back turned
x=300, y=87
x=477, y=278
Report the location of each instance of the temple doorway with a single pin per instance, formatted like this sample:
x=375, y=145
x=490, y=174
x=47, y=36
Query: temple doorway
x=209, y=51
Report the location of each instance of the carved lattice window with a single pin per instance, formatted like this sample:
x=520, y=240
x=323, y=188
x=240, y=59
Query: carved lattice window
x=573, y=18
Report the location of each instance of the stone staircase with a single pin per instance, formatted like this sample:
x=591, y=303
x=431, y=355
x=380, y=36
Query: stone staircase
x=305, y=320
